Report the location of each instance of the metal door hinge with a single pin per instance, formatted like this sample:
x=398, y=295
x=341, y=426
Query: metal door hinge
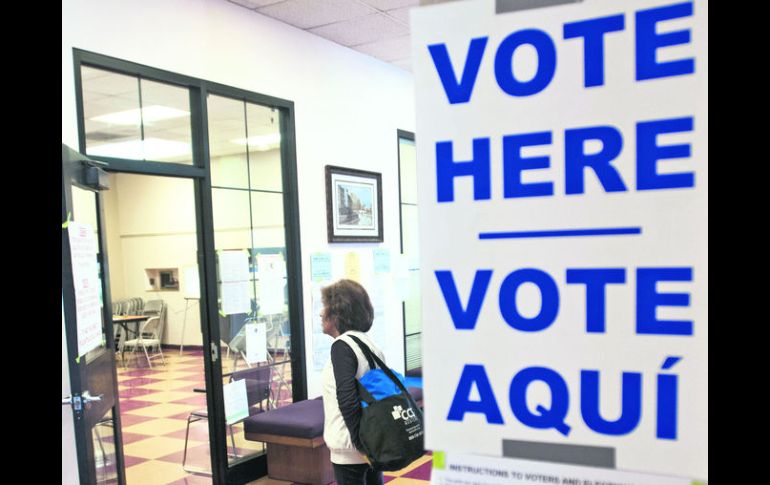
x=214, y=352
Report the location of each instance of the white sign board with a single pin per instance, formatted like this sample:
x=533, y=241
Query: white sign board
x=563, y=171
x=85, y=277
x=192, y=287
x=458, y=469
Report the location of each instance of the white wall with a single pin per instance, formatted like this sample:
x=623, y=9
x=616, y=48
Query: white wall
x=347, y=106
x=157, y=230
x=114, y=247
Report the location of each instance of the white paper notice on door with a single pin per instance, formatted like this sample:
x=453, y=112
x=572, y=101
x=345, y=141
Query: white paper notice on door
x=234, y=276
x=85, y=277
x=236, y=297
x=256, y=342
x=272, y=273
x=236, y=401
x=271, y=295
x=233, y=266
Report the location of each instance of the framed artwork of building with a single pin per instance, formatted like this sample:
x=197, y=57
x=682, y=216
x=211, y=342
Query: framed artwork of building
x=353, y=205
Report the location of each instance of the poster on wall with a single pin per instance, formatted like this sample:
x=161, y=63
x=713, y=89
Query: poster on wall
x=370, y=269
x=322, y=343
x=85, y=277
x=192, y=287
x=563, y=169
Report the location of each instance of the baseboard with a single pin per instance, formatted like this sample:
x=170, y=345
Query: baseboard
x=177, y=346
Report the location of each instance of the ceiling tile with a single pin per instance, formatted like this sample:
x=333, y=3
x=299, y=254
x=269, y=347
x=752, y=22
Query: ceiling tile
x=362, y=30
x=307, y=14
x=391, y=4
x=255, y=3
x=389, y=49
x=400, y=14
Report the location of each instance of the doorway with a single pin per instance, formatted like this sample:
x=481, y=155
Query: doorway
x=151, y=234
x=236, y=149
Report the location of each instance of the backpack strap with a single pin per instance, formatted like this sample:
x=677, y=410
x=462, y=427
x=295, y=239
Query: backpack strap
x=366, y=396
x=372, y=356
x=372, y=364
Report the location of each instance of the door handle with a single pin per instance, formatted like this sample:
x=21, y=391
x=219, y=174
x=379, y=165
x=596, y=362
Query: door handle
x=77, y=401
x=88, y=398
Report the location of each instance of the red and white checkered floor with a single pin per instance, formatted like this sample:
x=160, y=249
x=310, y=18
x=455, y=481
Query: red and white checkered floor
x=155, y=404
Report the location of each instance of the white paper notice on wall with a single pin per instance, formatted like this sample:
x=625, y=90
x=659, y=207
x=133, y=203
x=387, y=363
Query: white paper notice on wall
x=256, y=342
x=192, y=282
x=563, y=168
x=401, y=276
x=85, y=277
x=321, y=267
x=236, y=401
x=322, y=343
x=381, y=261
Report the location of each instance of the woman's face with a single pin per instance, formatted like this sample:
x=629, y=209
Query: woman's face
x=327, y=325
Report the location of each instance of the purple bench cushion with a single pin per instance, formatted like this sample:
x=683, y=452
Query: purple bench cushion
x=414, y=372
x=303, y=419
x=416, y=393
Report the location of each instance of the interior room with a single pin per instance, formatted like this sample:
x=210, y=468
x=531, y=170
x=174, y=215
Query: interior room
x=150, y=223
x=266, y=136
x=258, y=275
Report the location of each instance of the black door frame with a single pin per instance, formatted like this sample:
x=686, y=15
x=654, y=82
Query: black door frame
x=201, y=175
x=403, y=135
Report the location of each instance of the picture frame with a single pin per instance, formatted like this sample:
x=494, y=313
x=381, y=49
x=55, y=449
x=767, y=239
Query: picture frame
x=353, y=205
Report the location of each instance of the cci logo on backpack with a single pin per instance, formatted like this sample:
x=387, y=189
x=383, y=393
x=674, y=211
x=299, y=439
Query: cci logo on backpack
x=407, y=415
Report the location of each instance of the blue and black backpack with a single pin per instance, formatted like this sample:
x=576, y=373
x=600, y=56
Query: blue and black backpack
x=392, y=429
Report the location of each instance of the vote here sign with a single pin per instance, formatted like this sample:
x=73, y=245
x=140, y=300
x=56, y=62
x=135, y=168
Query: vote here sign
x=563, y=196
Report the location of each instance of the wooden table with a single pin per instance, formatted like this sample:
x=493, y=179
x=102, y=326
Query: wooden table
x=123, y=321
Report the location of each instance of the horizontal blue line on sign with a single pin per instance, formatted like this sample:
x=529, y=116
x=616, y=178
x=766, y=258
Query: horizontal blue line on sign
x=611, y=231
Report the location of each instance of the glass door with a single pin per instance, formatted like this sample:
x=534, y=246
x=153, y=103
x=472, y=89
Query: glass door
x=86, y=311
x=239, y=149
x=256, y=301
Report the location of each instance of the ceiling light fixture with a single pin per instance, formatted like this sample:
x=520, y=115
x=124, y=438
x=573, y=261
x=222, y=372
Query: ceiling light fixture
x=149, y=114
x=148, y=149
x=260, y=142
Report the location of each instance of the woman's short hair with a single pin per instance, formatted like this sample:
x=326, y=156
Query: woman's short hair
x=347, y=303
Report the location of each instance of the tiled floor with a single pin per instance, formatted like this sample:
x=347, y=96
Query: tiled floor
x=155, y=404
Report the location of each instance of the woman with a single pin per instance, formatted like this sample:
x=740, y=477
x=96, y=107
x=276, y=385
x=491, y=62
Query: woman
x=347, y=311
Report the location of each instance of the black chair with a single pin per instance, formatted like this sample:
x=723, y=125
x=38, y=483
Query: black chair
x=258, y=381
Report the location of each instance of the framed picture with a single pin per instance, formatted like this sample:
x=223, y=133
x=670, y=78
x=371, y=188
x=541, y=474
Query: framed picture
x=353, y=205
